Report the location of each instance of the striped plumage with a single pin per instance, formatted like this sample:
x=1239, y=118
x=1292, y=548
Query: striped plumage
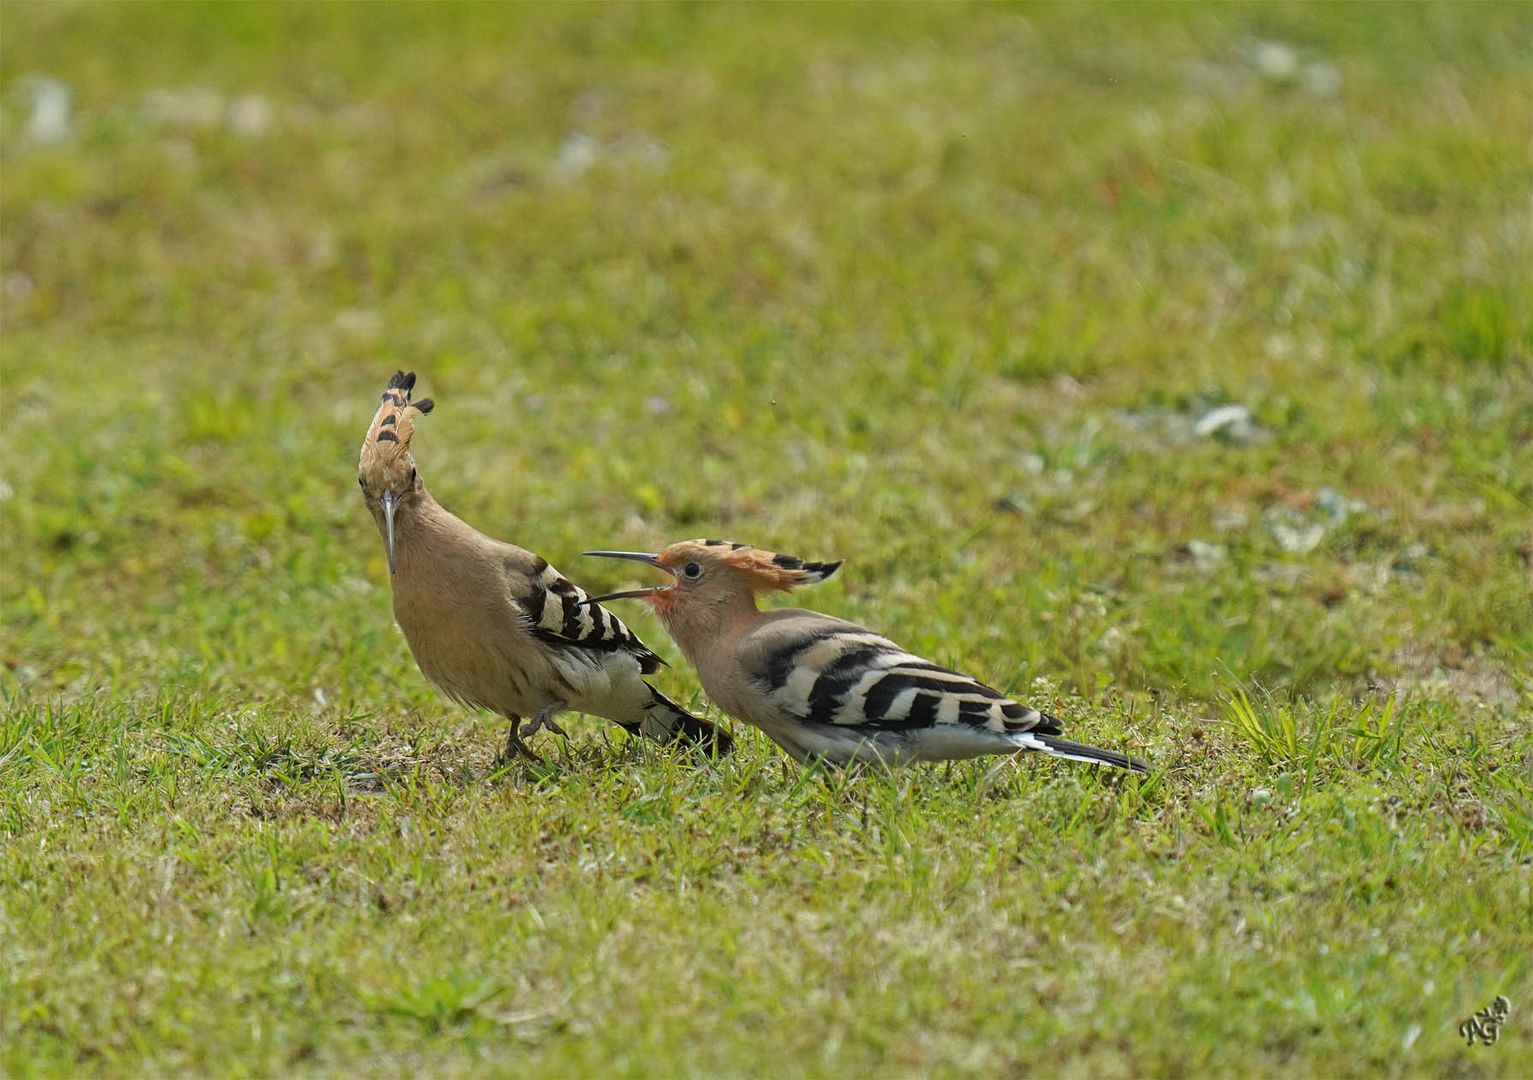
x=822, y=687
x=560, y=614
x=494, y=626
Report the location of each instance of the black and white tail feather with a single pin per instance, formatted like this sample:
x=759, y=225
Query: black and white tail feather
x=666, y=721
x=1074, y=751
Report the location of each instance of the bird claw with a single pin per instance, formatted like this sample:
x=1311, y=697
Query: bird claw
x=544, y=721
x=516, y=746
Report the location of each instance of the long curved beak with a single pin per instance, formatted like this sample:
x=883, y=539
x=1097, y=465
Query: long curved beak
x=636, y=556
x=390, y=501
x=653, y=590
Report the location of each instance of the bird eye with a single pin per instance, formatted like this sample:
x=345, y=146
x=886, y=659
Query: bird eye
x=692, y=571
x=361, y=483
x=414, y=477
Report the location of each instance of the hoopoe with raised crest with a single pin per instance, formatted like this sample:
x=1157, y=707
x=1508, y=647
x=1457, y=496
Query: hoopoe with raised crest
x=496, y=627
x=822, y=687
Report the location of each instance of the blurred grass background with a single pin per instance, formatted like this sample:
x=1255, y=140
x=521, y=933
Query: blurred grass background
x=1136, y=357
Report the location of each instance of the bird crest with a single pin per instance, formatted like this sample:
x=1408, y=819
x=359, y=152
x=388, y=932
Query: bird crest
x=388, y=439
x=768, y=571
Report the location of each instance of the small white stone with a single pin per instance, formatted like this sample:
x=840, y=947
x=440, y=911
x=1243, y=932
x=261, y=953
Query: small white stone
x=250, y=115
x=1275, y=60
x=576, y=156
x=1337, y=506
x=49, y=120
x=1204, y=553
x=1298, y=539
x=1230, y=422
x=1321, y=80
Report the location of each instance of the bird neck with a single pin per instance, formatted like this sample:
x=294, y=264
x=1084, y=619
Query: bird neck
x=420, y=521
x=709, y=623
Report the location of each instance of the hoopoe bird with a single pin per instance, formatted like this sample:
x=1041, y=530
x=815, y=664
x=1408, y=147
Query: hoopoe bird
x=822, y=687
x=496, y=627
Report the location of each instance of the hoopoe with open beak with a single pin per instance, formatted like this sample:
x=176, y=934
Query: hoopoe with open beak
x=822, y=687
x=496, y=627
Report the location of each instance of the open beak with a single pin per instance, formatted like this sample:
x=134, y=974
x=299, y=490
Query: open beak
x=390, y=501
x=636, y=556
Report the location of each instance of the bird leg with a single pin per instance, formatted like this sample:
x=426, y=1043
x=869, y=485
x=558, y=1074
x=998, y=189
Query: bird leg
x=544, y=721
x=514, y=745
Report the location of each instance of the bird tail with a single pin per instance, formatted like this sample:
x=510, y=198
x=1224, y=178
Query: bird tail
x=665, y=721
x=1053, y=744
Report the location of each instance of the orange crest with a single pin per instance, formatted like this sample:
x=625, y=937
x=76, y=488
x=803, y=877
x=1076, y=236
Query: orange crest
x=767, y=571
x=388, y=439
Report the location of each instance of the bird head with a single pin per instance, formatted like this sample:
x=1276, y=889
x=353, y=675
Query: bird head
x=386, y=472
x=705, y=572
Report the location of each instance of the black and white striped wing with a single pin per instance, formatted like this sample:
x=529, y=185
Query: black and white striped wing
x=835, y=673
x=556, y=615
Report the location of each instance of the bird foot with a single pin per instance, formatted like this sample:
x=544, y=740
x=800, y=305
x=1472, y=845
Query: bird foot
x=515, y=748
x=544, y=721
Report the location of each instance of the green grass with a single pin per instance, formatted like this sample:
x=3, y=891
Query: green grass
x=945, y=292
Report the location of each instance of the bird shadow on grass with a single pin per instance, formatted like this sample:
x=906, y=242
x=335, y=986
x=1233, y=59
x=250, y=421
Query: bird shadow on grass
x=999, y=778
x=558, y=757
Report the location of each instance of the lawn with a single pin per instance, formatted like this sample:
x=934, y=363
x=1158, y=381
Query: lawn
x=1171, y=367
